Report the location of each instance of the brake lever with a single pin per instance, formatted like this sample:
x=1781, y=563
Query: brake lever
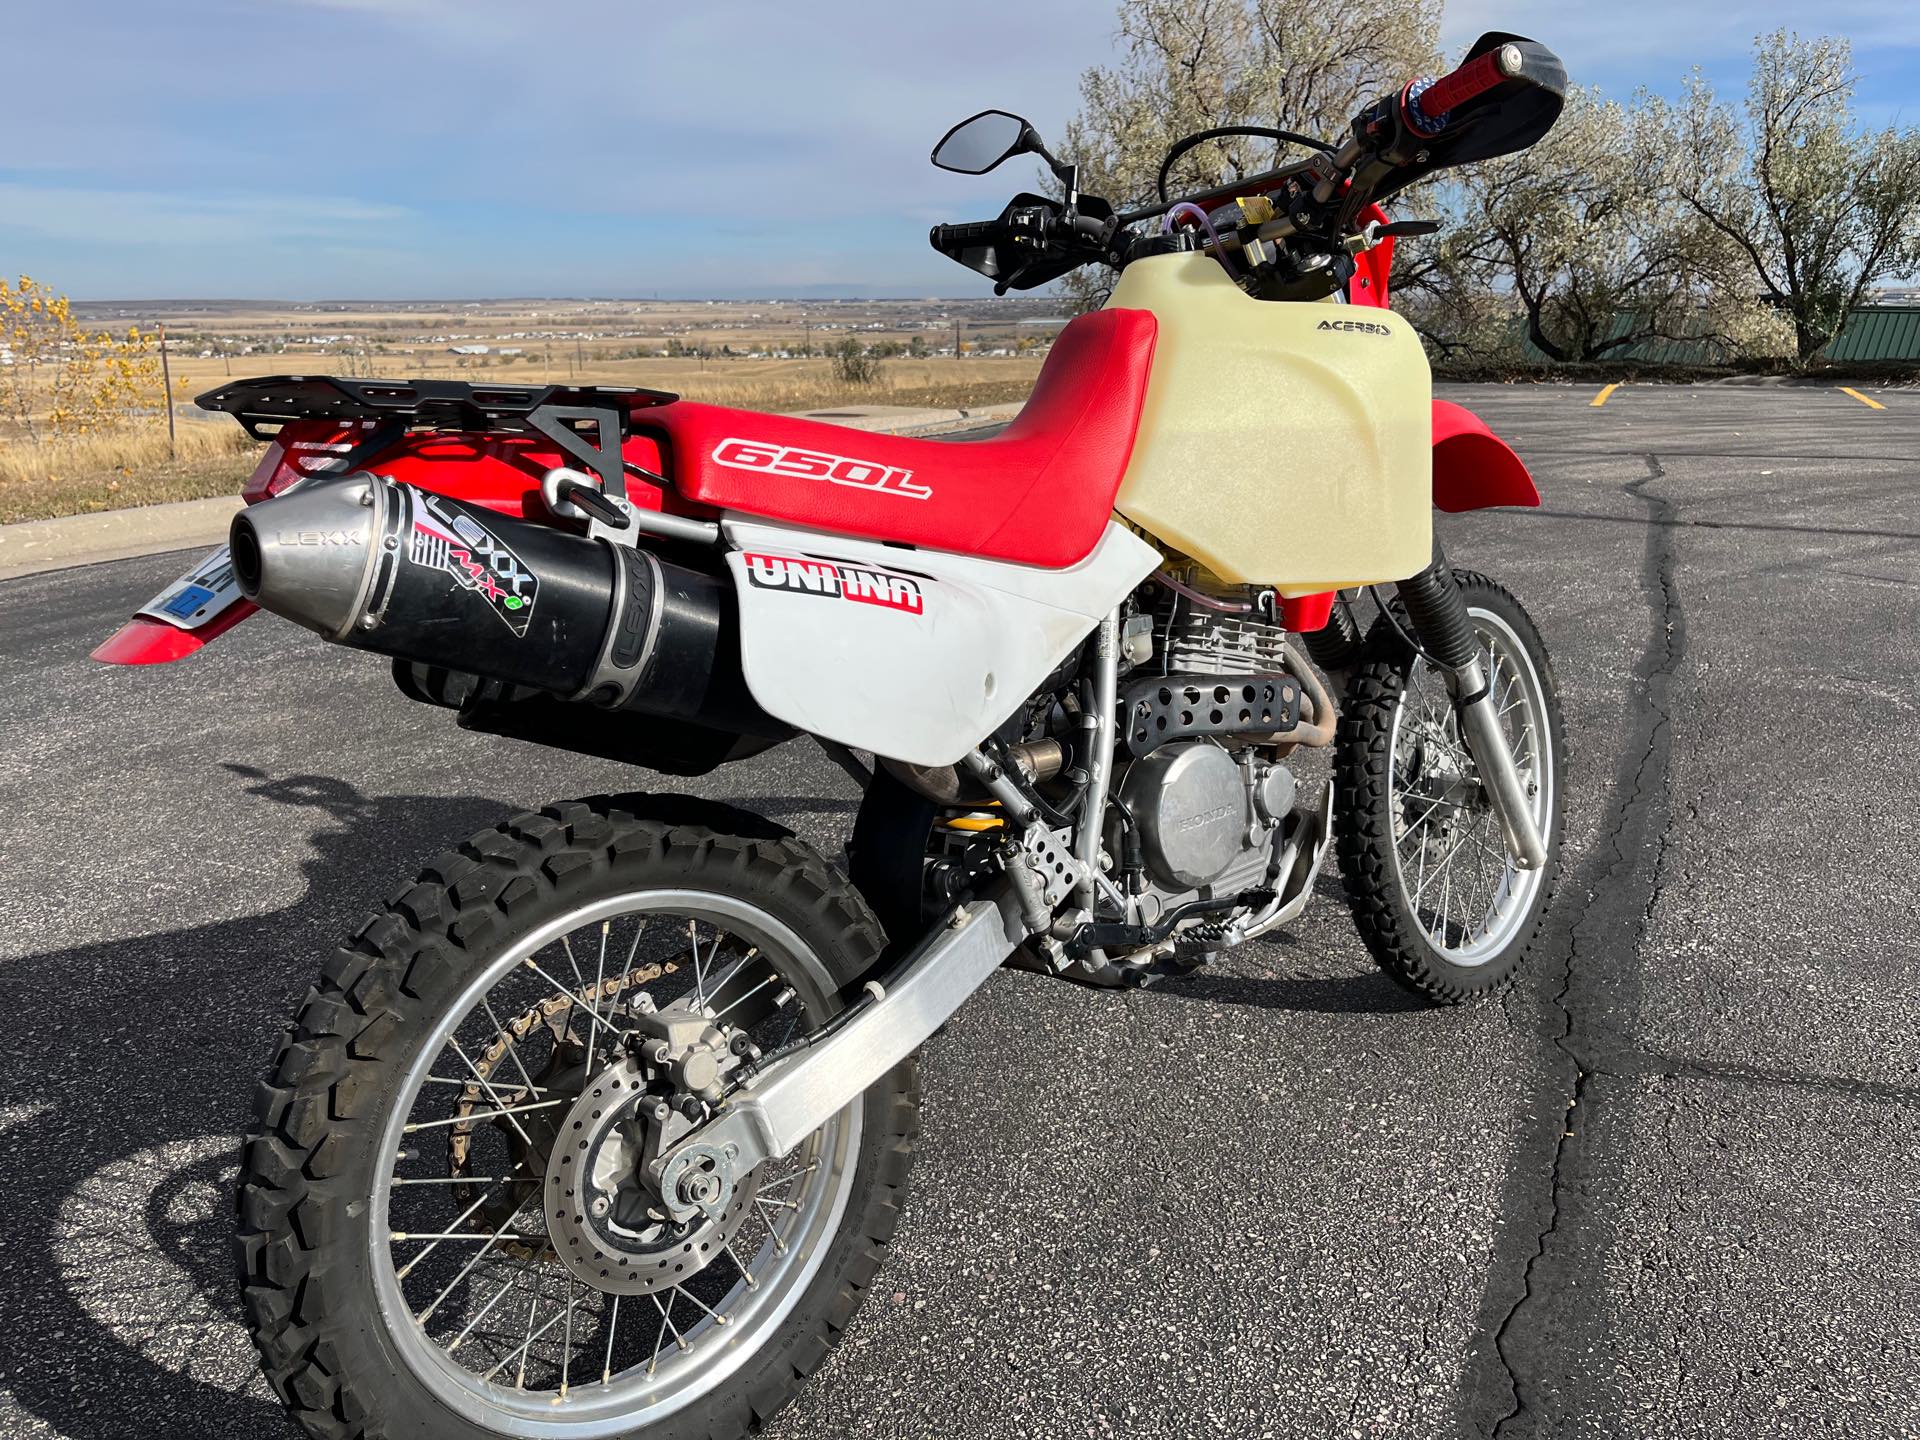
x=1373, y=232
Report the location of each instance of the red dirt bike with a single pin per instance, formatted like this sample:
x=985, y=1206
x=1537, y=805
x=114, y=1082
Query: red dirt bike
x=600, y=1126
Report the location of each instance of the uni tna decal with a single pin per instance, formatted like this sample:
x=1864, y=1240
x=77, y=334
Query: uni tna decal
x=831, y=579
x=478, y=560
x=756, y=455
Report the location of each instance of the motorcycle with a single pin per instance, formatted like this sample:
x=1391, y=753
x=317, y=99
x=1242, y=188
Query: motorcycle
x=601, y=1125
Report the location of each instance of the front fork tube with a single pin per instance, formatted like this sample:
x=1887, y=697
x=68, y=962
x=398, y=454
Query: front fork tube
x=1439, y=614
x=1101, y=722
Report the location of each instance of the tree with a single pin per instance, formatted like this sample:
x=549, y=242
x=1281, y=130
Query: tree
x=854, y=364
x=1597, y=259
x=1191, y=65
x=1802, y=201
x=63, y=377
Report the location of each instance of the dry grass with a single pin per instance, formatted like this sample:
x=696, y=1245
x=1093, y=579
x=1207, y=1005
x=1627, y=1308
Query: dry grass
x=804, y=391
x=120, y=469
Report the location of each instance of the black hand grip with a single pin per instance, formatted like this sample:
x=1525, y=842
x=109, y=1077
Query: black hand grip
x=973, y=232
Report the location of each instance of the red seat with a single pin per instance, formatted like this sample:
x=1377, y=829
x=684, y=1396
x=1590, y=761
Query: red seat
x=1039, y=493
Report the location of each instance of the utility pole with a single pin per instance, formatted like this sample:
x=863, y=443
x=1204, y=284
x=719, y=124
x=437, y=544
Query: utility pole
x=166, y=381
x=807, y=325
x=956, y=337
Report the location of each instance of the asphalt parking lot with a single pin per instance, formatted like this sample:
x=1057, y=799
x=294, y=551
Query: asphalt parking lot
x=1669, y=1186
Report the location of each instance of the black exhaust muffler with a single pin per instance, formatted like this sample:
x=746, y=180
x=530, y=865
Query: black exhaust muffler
x=381, y=566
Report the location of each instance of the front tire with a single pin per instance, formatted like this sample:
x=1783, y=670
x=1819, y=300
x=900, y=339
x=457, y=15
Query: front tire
x=352, y=1170
x=1436, y=897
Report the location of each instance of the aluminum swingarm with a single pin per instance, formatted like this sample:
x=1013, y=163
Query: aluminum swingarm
x=775, y=1110
x=780, y=1107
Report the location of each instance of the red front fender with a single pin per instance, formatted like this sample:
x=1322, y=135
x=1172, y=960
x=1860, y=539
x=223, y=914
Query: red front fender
x=1474, y=468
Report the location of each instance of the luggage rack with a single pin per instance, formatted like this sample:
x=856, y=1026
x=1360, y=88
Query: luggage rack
x=563, y=414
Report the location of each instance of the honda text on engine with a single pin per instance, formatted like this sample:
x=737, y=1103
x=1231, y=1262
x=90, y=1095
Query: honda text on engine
x=601, y=1125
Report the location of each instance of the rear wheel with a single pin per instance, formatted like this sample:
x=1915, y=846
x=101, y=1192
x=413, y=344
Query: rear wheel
x=1435, y=893
x=446, y=1223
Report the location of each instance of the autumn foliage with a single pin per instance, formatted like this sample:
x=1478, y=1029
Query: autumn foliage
x=60, y=379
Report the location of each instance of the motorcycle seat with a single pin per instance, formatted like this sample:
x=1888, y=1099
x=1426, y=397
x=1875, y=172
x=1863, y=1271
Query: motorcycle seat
x=1039, y=493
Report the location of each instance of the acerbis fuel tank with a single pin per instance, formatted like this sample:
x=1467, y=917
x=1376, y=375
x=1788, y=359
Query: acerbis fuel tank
x=1282, y=443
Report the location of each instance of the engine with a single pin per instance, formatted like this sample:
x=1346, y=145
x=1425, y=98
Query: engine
x=1208, y=695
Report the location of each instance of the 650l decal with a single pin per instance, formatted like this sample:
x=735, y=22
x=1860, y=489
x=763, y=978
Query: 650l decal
x=739, y=454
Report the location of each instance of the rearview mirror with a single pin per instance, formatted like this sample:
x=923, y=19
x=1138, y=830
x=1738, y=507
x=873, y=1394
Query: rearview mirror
x=975, y=146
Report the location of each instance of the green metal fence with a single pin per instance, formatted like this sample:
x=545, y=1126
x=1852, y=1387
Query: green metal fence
x=1872, y=333
x=1878, y=332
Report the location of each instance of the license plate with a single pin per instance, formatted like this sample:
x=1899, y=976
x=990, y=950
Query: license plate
x=200, y=596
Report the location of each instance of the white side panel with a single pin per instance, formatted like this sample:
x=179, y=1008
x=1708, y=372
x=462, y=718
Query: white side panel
x=914, y=654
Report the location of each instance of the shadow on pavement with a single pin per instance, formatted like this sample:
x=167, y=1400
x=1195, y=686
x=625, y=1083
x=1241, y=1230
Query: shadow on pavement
x=1369, y=994
x=123, y=1309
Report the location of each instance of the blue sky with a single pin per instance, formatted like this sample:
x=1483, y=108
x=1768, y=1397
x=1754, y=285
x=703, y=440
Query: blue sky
x=430, y=148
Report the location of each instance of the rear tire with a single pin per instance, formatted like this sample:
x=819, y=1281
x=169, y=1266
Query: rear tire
x=315, y=1303
x=1407, y=786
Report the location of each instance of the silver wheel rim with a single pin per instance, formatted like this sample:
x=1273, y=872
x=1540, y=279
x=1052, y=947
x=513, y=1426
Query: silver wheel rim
x=1466, y=896
x=701, y=1338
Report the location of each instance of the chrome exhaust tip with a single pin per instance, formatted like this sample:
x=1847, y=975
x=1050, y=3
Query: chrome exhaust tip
x=310, y=556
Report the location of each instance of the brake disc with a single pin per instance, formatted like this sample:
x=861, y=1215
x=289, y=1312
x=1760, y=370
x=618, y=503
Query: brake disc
x=604, y=1223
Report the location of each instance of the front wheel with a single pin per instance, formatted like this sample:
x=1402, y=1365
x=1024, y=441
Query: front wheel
x=1437, y=897
x=446, y=1224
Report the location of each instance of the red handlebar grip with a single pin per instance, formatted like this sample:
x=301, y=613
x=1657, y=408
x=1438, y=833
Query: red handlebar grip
x=1474, y=78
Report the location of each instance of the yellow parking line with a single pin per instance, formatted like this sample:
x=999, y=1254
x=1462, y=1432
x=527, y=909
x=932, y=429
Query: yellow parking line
x=1601, y=398
x=1863, y=399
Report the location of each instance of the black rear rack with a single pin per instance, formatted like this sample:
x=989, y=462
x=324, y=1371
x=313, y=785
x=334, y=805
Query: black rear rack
x=563, y=414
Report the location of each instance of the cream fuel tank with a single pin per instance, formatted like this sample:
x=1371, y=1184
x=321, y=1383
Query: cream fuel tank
x=1282, y=443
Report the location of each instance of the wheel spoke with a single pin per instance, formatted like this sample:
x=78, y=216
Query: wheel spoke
x=513, y=1279
x=613, y=1329
x=482, y=1115
x=465, y=1269
x=599, y=980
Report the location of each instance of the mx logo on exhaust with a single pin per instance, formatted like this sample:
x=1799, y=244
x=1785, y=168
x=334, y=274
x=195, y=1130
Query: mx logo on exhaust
x=447, y=539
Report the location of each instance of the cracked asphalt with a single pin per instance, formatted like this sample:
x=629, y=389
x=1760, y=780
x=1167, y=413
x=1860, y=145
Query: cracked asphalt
x=1669, y=1185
